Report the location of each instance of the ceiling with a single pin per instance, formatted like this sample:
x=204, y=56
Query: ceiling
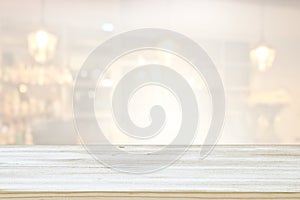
x=78, y=23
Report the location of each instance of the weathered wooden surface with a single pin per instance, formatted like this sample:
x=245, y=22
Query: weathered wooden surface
x=41, y=172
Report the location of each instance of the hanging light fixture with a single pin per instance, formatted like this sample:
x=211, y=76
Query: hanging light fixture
x=42, y=44
x=263, y=55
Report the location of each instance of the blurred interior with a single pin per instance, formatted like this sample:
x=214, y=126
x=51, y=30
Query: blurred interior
x=255, y=44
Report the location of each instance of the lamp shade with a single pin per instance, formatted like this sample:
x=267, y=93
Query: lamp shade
x=263, y=57
x=41, y=45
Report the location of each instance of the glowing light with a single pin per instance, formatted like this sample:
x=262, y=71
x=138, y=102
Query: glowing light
x=108, y=27
x=41, y=45
x=263, y=57
x=141, y=61
x=107, y=82
x=23, y=88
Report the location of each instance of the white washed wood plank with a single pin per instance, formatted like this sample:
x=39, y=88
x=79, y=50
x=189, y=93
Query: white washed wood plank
x=228, y=169
x=145, y=195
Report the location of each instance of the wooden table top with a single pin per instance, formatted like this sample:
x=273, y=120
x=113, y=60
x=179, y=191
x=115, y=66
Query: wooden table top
x=44, y=172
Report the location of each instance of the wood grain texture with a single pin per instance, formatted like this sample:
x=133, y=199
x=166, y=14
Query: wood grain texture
x=229, y=172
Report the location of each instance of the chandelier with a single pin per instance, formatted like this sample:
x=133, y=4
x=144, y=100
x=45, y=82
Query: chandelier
x=42, y=44
x=262, y=56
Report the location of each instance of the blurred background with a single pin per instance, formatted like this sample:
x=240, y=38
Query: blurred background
x=255, y=45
